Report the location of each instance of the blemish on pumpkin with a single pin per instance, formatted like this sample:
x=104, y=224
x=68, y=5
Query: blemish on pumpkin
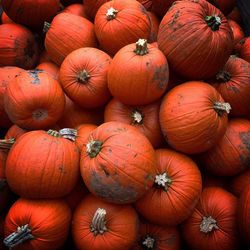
x=135, y=155
x=147, y=64
x=34, y=75
x=161, y=76
x=245, y=139
x=106, y=172
x=173, y=23
x=39, y=114
x=62, y=170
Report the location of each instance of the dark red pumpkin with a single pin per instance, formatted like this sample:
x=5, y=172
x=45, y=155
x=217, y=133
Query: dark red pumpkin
x=34, y=100
x=66, y=33
x=225, y=6
x=237, y=31
x=51, y=160
x=99, y=225
x=119, y=23
x=31, y=13
x=76, y=9
x=233, y=83
x=160, y=7
x=6, y=19
x=17, y=46
x=44, y=223
x=193, y=117
x=244, y=51
x=49, y=67
x=92, y=6
x=176, y=190
x=213, y=224
x=138, y=74
x=231, y=154
x=117, y=163
x=154, y=27
x=144, y=118
x=196, y=38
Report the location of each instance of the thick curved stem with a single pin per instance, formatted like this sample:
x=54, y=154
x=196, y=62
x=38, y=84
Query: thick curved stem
x=148, y=243
x=22, y=234
x=111, y=13
x=98, y=225
x=163, y=181
x=83, y=76
x=213, y=22
x=137, y=117
x=7, y=143
x=220, y=108
x=223, y=76
x=208, y=224
x=93, y=148
x=68, y=133
x=46, y=27
x=141, y=47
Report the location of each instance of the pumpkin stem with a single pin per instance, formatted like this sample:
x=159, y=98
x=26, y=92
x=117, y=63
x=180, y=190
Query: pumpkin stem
x=93, y=148
x=148, y=243
x=213, y=22
x=83, y=76
x=111, y=13
x=208, y=224
x=137, y=117
x=53, y=133
x=68, y=133
x=46, y=27
x=22, y=234
x=98, y=225
x=223, y=76
x=163, y=180
x=141, y=47
x=3, y=184
x=7, y=143
x=222, y=107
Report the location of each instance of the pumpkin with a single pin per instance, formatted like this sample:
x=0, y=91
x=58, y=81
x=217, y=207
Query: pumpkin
x=244, y=214
x=213, y=224
x=37, y=224
x=160, y=7
x=83, y=76
x=31, y=13
x=157, y=237
x=17, y=46
x=235, y=15
x=196, y=39
x=6, y=75
x=233, y=83
x=76, y=9
x=92, y=6
x=51, y=68
x=239, y=183
x=144, y=118
x=237, y=31
x=176, y=190
x=119, y=23
x=66, y=33
x=34, y=100
x=117, y=163
x=193, y=117
x=5, y=18
x=231, y=155
x=154, y=27
x=146, y=3
x=100, y=225
x=138, y=74
x=74, y=116
x=245, y=49
x=225, y=6
x=53, y=164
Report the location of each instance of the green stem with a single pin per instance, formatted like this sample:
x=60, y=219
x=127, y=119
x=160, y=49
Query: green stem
x=213, y=22
x=83, y=76
x=141, y=47
x=93, y=148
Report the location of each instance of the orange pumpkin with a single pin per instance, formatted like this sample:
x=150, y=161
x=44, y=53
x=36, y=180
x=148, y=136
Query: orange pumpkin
x=193, y=117
x=117, y=163
x=99, y=225
x=49, y=67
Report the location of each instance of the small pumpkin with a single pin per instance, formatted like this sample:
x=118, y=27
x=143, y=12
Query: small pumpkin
x=117, y=163
x=100, y=225
x=49, y=67
x=237, y=31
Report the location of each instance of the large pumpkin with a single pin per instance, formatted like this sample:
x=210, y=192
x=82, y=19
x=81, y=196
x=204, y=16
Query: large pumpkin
x=119, y=23
x=17, y=46
x=144, y=118
x=37, y=224
x=83, y=76
x=66, y=33
x=196, y=38
x=117, y=163
x=176, y=190
x=213, y=224
x=138, y=74
x=193, y=117
x=231, y=155
x=34, y=100
x=51, y=160
x=99, y=225
x=233, y=83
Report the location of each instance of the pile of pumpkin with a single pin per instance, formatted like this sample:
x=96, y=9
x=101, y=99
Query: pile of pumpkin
x=127, y=125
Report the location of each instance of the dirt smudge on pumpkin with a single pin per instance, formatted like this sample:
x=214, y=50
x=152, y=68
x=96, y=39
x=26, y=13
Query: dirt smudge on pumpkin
x=161, y=76
x=245, y=139
x=35, y=75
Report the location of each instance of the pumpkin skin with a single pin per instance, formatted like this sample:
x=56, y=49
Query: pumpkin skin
x=154, y=27
x=92, y=6
x=14, y=132
x=121, y=223
x=231, y=155
x=117, y=30
x=76, y=9
x=123, y=170
x=17, y=46
x=32, y=90
x=222, y=207
x=171, y=203
x=83, y=76
x=61, y=168
x=49, y=221
x=225, y=6
x=49, y=67
x=164, y=238
x=237, y=31
x=31, y=13
x=67, y=33
x=233, y=83
x=244, y=214
x=5, y=18
x=245, y=49
x=185, y=23
x=189, y=119
x=6, y=75
x=144, y=118
x=138, y=74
